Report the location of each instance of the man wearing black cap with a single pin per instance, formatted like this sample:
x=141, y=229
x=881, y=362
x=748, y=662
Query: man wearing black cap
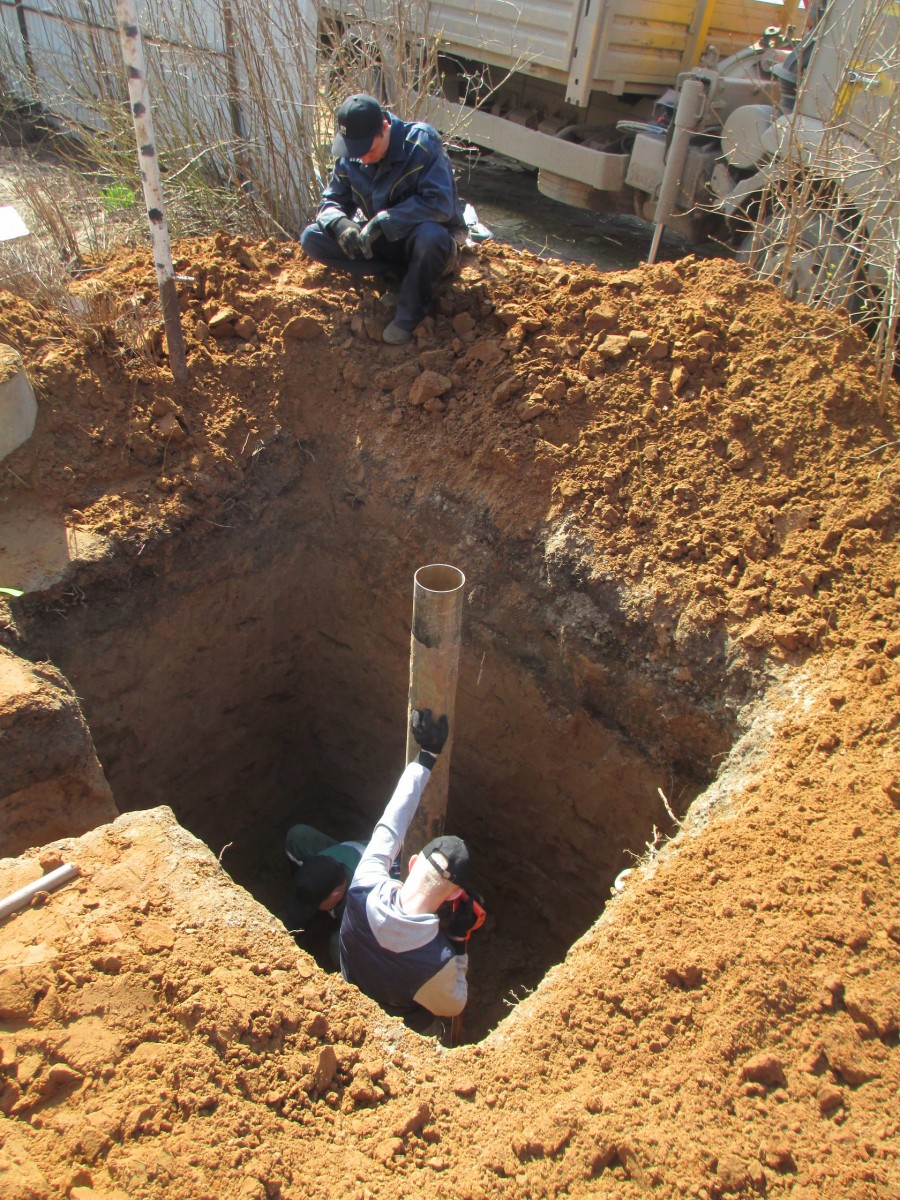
x=323, y=869
x=396, y=174
x=393, y=944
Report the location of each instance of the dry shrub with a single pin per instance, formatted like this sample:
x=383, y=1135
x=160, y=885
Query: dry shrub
x=243, y=134
x=829, y=225
x=239, y=148
x=130, y=324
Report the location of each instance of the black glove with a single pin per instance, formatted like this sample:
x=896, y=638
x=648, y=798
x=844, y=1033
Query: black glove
x=347, y=236
x=369, y=233
x=430, y=735
x=465, y=917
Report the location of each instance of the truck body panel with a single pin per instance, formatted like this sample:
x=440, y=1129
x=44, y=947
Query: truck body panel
x=586, y=46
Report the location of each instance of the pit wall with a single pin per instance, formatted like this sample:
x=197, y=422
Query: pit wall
x=51, y=784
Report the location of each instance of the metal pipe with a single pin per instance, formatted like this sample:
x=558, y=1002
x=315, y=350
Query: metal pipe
x=53, y=879
x=687, y=114
x=433, y=672
x=139, y=97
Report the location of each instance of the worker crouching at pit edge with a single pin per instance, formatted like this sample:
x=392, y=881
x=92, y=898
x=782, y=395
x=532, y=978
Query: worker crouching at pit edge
x=398, y=176
x=394, y=945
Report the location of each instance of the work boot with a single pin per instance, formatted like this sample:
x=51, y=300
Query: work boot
x=396, y=335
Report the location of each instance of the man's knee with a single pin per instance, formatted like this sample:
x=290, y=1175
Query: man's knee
x=431, y=238
x=317, y=243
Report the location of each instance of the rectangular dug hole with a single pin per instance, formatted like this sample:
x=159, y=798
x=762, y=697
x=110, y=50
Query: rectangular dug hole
x=258, y=677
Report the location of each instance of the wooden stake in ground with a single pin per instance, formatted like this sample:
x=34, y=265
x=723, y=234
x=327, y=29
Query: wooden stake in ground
x=139, y=97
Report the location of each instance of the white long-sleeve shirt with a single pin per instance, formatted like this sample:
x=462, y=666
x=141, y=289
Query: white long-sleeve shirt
x=403, y=961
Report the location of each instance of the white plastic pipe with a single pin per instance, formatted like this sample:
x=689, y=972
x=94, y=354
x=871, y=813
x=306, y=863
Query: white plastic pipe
x=433, y=672
x=139, y=97
x=47, y=883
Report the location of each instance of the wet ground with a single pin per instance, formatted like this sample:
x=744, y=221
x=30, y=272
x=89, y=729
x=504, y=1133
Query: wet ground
x=507, y=200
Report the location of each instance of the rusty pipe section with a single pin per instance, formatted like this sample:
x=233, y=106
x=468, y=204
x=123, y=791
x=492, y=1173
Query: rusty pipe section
x=433, y=672
x=687, y=118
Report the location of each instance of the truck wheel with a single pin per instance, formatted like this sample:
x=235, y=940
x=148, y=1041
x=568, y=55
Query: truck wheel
x=813, y=260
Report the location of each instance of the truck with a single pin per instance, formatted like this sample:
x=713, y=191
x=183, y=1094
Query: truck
x=713, y=118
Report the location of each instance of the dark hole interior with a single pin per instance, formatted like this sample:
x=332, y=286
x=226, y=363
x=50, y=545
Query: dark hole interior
x=257, y=677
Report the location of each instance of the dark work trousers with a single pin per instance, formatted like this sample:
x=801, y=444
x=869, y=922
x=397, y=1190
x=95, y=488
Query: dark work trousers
x=421, y=259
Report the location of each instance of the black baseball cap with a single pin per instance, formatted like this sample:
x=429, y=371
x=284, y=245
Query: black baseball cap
x=360, y=120
x=450, y=858
x=314, y=880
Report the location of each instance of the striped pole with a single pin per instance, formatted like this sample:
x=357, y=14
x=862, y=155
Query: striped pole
x=139, y=98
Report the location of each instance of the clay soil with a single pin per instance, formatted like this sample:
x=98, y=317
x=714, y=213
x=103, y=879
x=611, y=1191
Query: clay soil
x=729, y=1026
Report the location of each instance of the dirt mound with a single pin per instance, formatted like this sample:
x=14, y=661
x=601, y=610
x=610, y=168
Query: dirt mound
x=730, y=1024
x=673, y=416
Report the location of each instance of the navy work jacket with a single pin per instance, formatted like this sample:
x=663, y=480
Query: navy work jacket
x=412, y=183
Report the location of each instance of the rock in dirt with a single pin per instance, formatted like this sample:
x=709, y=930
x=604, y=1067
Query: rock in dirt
x=428, y=386
x=613, y=346
x=326, y=1067
x=604, y=316
x=413, y=1120
x=878, y=1009
x=777, y=1156
x=848, y=1059
x=388, y=1149
x=245, y=327
x=733, y=1174
x=221, y=323
x=155, y=936
x=530, y=410
x=766, y=1069
x=506, y=389
x=302, y=328
x=170, y=428
x=16, y=1000
x=829, y=1098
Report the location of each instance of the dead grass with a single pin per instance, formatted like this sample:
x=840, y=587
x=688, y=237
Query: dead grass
x=829, y=225
x=243, y=136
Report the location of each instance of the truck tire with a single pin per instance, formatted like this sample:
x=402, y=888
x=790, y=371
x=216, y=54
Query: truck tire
x=813, y=259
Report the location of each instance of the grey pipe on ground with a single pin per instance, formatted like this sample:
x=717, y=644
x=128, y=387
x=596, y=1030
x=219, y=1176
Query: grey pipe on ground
x=53, y=879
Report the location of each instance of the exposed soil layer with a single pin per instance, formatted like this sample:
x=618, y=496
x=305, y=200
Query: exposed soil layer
x=675, y=497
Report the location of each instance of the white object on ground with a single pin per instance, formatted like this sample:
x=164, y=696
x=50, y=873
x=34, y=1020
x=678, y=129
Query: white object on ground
x=477, y=231
x=18, y=407
x=11, y=224
x=620, y=880
x=46, y=883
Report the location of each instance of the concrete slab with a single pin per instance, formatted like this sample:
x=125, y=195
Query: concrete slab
x=18, y=407
x=38, y=548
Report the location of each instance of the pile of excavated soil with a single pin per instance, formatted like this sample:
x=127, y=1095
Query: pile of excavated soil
x=730, y=1024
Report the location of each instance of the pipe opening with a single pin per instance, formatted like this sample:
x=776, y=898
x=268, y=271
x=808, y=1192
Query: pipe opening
x=439, y=577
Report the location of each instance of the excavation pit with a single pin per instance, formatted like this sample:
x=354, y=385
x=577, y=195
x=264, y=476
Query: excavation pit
x=709, y=509
x=258, y=677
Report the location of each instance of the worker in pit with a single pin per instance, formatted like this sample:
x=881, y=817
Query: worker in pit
x=323, y=869
x=390, y=208
x=405, y=944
